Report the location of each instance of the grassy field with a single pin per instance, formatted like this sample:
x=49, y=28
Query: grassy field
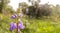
x=31, y=25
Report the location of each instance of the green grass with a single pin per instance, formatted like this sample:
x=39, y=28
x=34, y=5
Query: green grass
x=31, y=25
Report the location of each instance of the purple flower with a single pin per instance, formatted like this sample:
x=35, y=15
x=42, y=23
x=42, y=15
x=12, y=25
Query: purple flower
x=20, y=26
x=12, y=26
x=13, y=16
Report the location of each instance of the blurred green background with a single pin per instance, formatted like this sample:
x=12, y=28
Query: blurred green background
x=38, y=18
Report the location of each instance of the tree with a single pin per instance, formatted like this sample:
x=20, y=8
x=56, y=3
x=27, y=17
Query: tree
x=9, y=10
x=3, y=5
x=23, y=6
x=33, y=1
x=42, y=10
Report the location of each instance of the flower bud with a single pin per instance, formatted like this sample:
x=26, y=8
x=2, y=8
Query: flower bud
x=13, y=16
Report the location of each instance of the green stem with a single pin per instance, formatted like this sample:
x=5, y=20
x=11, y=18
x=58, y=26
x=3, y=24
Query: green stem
x=17, y=24
x=17, y=28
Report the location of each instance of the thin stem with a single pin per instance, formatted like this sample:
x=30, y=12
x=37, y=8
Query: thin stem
x=11, y=31
x=17, y=28
x=17, y=23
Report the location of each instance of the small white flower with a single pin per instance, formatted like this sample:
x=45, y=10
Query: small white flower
x=19, y=19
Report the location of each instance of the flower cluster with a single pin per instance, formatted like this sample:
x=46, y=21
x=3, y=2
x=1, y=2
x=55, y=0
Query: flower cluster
x=15, y=15
x=14, y=26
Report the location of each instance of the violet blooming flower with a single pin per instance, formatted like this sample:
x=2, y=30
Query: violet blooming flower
x=13, y=16
x=14, y=26
x=20, y=26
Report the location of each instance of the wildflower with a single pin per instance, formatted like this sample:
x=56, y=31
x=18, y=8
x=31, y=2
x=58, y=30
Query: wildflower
x=12, y=26
x=13, y=16
x=20, y=26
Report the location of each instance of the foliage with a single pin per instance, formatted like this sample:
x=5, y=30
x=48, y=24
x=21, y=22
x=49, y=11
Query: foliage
x=3, y=4
x=44, y=25
x=23, y=4
x=43, y=10
x=31, y=25
x=9, y=9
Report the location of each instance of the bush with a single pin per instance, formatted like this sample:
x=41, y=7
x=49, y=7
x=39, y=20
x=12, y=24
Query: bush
x=38, y=12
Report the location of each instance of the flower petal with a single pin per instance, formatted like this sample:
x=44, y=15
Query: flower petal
x=12, y=26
